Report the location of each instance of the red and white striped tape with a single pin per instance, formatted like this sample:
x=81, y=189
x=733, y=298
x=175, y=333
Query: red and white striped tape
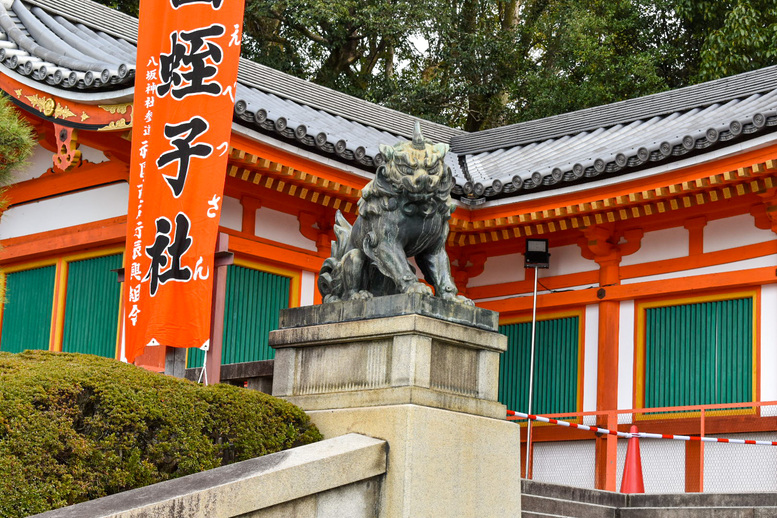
x=641, y=435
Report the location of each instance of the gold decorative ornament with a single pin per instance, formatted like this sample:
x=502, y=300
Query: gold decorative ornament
x=49, y=106
x=39, y=103
x=62, y=112
x=115, y=108
x=115, y=125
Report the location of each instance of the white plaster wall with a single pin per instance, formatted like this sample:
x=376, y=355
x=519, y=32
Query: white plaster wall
x=540, y=291
x=721, y=234
x=567, y=259
x=500, y=269
x=660, y=245
x=768, y=342
x=590, y=357
x=281, y=228
x=626, y=355
x=231, y=213
x=757, y=262
x=65, y=211
x=92, y=155
x=39, y=162
x=42, y=160
x=663, y=465
x=570, y=463
x=733, y=468
x=307, y=288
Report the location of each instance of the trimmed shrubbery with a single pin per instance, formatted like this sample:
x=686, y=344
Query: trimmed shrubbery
x=76, y=427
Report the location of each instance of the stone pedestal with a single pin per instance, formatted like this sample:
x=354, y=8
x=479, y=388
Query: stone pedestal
x=421, y=374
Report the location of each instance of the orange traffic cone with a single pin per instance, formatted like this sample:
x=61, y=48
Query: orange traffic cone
x=632, y=471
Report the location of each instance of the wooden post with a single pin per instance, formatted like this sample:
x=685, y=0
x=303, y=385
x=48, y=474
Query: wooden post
x=223, y=259
x=602, y=244
x=175, y=361
x=606, y=467
x=607, y=383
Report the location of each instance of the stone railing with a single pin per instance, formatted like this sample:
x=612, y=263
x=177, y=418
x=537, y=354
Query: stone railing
x=332, y=478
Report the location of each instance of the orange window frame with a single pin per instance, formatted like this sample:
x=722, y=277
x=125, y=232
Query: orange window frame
x=640, y=334
x=553, y=315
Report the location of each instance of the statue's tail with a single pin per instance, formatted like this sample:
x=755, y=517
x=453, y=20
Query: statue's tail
x=330, y=280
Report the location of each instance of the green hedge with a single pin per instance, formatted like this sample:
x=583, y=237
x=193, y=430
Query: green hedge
x=75, y=427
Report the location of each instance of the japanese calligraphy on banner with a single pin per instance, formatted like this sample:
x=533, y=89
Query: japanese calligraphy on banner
x=186, y=75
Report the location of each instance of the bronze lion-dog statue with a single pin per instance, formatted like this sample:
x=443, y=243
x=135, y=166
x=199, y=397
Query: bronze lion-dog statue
x=403, y=213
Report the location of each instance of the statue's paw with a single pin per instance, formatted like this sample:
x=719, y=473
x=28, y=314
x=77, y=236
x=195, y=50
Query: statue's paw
x=361, y=295
x=461, y=299
x=419, y=287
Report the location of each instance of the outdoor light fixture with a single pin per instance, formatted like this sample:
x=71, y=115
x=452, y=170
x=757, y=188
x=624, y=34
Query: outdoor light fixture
x=537, y=255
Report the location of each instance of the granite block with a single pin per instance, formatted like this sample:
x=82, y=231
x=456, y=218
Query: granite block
x=390, y=306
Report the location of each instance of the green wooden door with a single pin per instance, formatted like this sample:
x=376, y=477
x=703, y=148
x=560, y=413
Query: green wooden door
x=29, y=300
x=253, y=302
x=555, y=366
x=697, y=354
x=92, y=306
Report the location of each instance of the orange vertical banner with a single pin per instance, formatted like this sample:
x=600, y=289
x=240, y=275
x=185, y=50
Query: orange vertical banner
x=186, y=76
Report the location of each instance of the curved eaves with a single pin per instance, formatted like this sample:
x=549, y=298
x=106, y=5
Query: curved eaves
x=622, y=112
x=617, y=149
x=34, y=45
x=324, y=132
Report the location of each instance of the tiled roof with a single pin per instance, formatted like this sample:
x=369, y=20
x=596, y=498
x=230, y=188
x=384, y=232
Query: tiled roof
x=53, y=50
x=78, y=45
x=619, y=137
x=324, y=120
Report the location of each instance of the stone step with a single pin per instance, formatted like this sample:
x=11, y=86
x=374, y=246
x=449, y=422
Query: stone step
x=531, y=514
x=698, y=512
x=544, y=500
x=705, y=500
x=577, y=494
x=563, y=507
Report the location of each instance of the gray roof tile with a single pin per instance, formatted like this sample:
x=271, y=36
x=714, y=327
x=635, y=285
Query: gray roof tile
x=71, y=43
x=348, y=127
x=617, y=138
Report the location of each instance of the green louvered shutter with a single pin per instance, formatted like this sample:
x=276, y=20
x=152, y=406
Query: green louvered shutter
x=253, y=302
x=29, y=298
x=555, y=366
x=699, y=354
x=92, y=306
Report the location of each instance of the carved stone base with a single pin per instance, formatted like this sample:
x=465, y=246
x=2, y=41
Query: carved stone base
x=425, y=385
x=410, y=358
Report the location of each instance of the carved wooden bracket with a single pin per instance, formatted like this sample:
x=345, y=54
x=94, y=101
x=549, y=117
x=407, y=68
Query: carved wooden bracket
x=601, y=243
x=317, y=229
x=67, y=155
x=765, y=214
x=466, y=267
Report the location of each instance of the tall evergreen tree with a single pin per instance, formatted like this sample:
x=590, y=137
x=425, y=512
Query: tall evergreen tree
x=16, y=141
x=477, y=64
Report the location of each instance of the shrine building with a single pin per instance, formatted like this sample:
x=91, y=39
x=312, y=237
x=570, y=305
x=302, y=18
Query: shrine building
x=660, y=214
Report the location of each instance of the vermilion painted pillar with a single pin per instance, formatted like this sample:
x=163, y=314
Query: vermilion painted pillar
x=601, y=243
x=248, y=221
x=223, y=259
x=607, y=382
